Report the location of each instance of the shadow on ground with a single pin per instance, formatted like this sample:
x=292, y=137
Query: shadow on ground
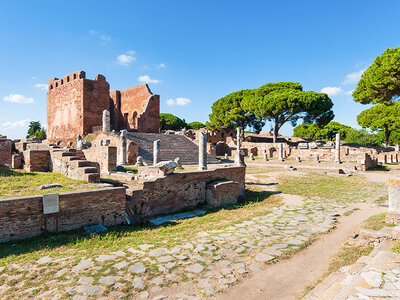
x=50, y=240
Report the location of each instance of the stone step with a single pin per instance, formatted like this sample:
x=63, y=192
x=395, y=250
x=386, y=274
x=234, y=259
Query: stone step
x=71, y=158
x=82, y=163
x=87, y=170
x=65, y=154
x=171, y=147
x=92, y=177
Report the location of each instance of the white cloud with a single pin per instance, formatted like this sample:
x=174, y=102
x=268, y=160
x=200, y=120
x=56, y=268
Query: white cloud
x=125, y=59
x=147, y=79
x=179, y=101
x=332, y=90
x=130, y=52
x=17, y=98
x=20, y=123
x=162, y=66
x=349, y=93
x=353, y=77
x=103, y=38
x=41, y=86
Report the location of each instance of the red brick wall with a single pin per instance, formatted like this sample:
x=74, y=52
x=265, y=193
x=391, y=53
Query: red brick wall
x=106, y=156
x=178, y=190
x=5, y=151
x=136, y=108
x=23, y=217
x=37, y=160
x=75, y=105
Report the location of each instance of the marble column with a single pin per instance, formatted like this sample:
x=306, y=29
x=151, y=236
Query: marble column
x=202, y=151
x=122, y=151
x=280, y=153
x=156, y=152
x=106, y=121
x=238, y=159
x=337, y=148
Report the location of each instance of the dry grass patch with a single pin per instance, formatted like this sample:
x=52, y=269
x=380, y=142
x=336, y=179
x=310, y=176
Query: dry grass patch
x=376, y=222
x=17, y=183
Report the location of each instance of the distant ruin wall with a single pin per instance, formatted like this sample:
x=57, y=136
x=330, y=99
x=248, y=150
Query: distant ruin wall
x=23, y=217
x=178, y=191
x=136, y=109
x=37, y=160
x=5, y=151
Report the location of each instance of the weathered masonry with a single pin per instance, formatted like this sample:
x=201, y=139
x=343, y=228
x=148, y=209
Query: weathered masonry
x=75, y=106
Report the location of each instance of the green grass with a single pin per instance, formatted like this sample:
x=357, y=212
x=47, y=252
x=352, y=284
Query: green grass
x=330, y=186
x=17, y=183
x=77, y=243
x=396, y=248
x=376, y=222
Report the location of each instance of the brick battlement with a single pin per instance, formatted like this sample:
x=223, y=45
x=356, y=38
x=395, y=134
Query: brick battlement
x=56, y=82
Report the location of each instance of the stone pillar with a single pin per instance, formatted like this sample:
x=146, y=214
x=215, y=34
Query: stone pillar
x=393, y=215
x=337, y=148
x=251, y=156
x=122, y=150
x=265, y=155
x=238, y=159
x=397, y=148
x=226, y=156
x=298, y=158
x=202, y=151
x=106, y=121
x=280, y=152
x=79, y=142
x=156, y=152
x=316, y=158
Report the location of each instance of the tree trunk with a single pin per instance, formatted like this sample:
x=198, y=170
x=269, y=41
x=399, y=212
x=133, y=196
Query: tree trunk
x=387, y=136
x=276, y=130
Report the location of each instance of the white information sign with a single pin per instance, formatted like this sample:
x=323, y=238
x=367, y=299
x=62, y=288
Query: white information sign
x=51, y=204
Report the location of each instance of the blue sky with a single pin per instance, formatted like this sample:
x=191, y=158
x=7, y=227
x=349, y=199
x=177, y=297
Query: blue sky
x=193, y=52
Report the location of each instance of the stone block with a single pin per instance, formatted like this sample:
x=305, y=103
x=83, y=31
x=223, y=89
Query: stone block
x=16, y=161
x=221, y=193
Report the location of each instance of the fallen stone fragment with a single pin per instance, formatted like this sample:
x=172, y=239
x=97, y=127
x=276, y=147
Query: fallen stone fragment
x=137, y=268
x=196, y=268
x=44, y=260
x=263, y=257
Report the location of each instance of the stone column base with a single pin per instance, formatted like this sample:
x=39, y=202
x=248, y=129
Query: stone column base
x=392, y=218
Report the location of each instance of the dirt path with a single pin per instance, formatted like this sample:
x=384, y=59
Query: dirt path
x=288, y=279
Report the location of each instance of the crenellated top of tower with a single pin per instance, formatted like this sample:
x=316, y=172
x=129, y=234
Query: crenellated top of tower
x=56, y=82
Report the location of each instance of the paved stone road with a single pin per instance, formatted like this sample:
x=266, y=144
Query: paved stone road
x=376, y=276
x=193, y=269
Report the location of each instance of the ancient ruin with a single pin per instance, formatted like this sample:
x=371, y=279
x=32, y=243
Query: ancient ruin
x=76, y=105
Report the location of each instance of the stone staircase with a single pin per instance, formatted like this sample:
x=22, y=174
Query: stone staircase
x=72, y=163
x=171, y=147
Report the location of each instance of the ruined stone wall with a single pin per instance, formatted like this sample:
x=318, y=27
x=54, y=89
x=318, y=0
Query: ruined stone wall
x=132, y=150
x=178, y=191
x=37, y=160
x=105, y=156
x=74, y=105
x=23, y=217
x=5, y=151
x=136, y=108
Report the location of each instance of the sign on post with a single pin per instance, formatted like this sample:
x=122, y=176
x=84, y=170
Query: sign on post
x=51, y=204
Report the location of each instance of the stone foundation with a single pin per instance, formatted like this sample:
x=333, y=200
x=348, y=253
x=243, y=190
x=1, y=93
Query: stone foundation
x=23, y=217
x=220, y=193
x=177, y=191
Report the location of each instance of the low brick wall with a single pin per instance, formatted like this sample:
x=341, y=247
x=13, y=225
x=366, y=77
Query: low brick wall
x=23, y=217
x=178, y=191
x=37, y=160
